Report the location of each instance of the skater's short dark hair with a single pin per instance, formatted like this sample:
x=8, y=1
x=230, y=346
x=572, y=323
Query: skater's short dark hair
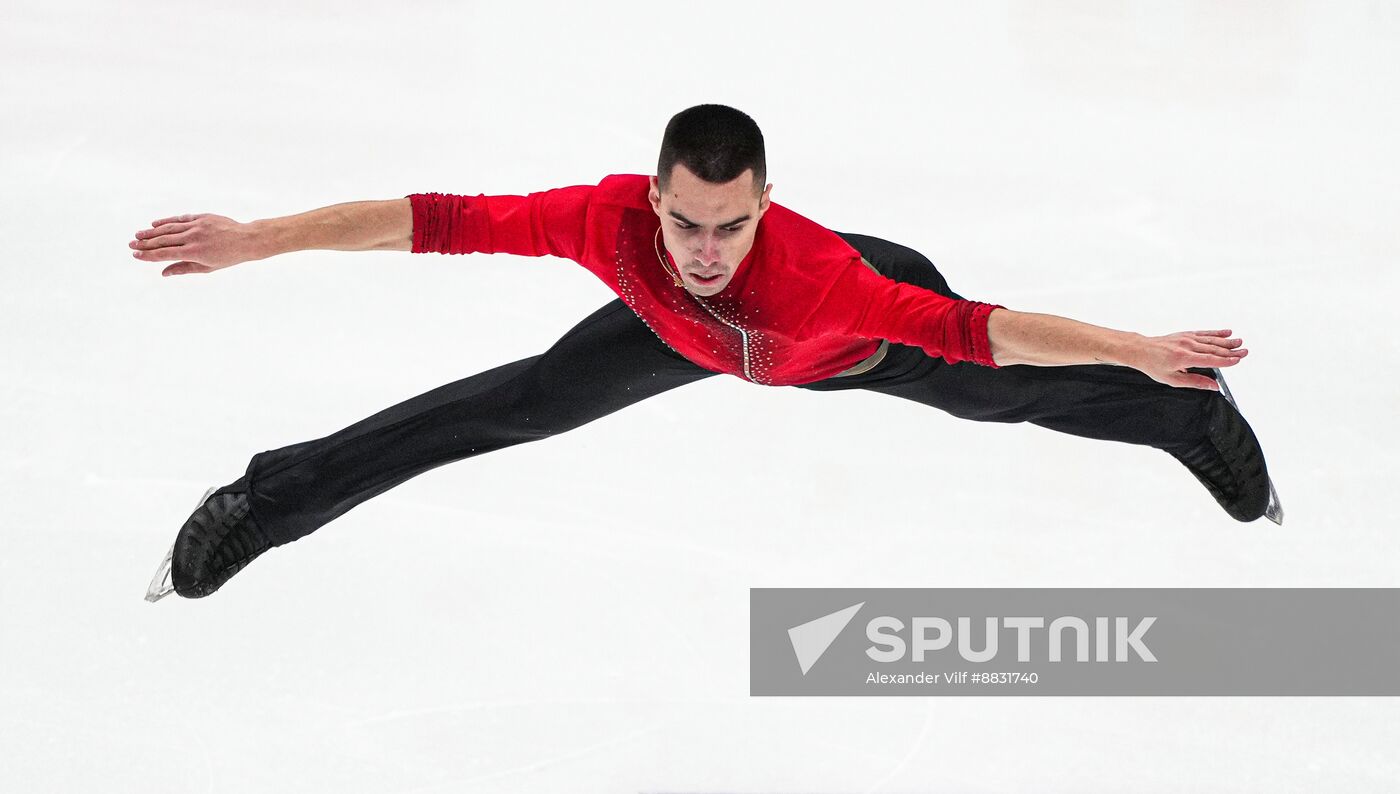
x=715, y=142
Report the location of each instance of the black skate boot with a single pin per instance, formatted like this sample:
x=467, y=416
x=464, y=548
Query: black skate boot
x=1230, y=463
x=217, y=541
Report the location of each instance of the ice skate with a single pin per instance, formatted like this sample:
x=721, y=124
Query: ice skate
x=1274, y=509
x=161, y=585
x=217, y=541
x=1230, y=463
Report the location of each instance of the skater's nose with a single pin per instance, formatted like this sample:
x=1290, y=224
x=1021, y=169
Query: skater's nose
x=709, y=249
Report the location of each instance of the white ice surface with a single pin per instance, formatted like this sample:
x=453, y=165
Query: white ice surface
x=572, y=615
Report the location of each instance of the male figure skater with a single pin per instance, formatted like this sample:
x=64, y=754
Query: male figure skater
x=712, y=277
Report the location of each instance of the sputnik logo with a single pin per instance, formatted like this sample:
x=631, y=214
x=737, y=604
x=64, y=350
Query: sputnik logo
x=811, y=639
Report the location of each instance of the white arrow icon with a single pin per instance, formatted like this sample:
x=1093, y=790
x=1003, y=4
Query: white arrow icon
x=811, y=639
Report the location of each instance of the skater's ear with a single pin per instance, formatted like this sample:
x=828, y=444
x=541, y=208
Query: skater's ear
x=654, y=196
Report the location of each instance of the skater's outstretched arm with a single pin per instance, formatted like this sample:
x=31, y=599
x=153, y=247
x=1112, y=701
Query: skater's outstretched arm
x=205, y=242
x=1048, y=340
x=865, y=303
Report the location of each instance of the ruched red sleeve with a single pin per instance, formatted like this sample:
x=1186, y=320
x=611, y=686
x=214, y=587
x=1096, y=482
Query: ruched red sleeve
x=551, y=222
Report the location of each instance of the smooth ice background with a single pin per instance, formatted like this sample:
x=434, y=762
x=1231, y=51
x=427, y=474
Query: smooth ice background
x=572, y=615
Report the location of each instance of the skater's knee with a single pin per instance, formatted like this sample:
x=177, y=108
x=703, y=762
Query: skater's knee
x=531, y=412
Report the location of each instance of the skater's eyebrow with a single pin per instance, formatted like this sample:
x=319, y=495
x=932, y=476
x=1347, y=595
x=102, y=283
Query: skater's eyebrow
x=684, y=219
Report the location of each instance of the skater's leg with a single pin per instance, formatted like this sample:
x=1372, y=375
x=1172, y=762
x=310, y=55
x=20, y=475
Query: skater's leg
x=608, y=361
x=1097, y=401
x=1104, y=402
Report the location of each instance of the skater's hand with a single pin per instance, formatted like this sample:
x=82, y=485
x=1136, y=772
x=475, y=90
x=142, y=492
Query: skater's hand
x=1165, y=358
x=199, y=243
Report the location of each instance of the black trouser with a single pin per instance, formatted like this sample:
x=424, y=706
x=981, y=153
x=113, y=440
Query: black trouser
x=612, y=360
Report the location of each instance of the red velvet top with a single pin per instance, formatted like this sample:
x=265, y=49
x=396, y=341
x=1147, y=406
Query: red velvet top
x=801, y=306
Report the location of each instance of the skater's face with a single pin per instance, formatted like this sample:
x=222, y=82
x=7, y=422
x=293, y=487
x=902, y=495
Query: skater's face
x=708, y=228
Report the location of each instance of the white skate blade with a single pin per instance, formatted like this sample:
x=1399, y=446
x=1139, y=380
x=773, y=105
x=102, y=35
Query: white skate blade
x=1274, y=510
x=161, y=585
